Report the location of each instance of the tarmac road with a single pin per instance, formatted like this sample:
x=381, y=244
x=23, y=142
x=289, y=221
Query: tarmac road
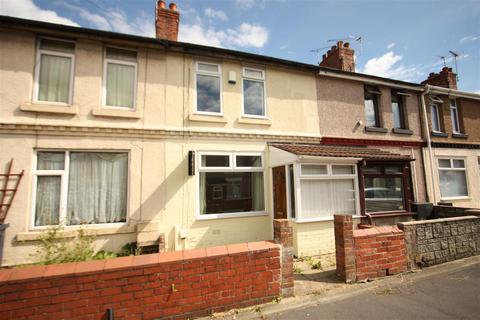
x=453, y=294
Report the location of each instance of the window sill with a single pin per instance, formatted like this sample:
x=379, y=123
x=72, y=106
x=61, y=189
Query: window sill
x=391, y=214
x=70, y=232
x=205, y=118
x=376, y=129
x=402, y=131
x=49, y=108
x=246, y=120
x=117, y=113
x=460, y=135
x=456, y=198
x=439, y=134
x=231, y=215
x=324, y=219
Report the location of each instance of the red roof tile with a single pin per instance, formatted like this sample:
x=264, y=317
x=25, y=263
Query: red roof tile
x=339, y=151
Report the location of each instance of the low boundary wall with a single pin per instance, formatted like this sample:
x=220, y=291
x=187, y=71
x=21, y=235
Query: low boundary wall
x=173, y=285
x=431, y=242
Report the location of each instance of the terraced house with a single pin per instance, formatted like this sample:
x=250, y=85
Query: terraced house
x=174, y=146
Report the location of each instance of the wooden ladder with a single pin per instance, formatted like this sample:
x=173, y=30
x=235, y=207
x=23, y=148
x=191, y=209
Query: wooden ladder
x=6, y=200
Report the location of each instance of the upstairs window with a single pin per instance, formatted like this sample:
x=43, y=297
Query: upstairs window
x=54, y=71
x=454, y=116
x=120, y=78
x=254, y=93
x=453, y=178
x=435, y=114
x=398, y=110
x=208, y=84
x=372, y=116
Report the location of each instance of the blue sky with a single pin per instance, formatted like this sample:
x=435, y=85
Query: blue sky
x=400, y=39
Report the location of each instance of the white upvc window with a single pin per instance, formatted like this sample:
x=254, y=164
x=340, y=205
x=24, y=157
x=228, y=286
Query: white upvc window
x=54, y=69
x=208, y=86
x=79, y=188
x=454, y=116
x=453, y=178
x=120, y=78
x=326, y=189
x=254, y=97
x=435, y=114
x=231, y=184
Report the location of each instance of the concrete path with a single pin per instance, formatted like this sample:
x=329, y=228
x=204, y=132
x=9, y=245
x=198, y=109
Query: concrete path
x=447, y=291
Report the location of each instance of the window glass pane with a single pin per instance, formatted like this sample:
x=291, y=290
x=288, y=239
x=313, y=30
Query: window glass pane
x=455, y=124
x=208, y=67
x=372, y=170
x=50, y=160
x=323, y=198
x=444, y=163
x=55, y=45
x=208, y=93
x=343, y=170
x=453, y=183
x=458, y=163
x=121, y=54
x=370, y=113
x=251, y=73
x=393, y=170
x=253, y=98
x=229, y=192
x=383, y=194
x=215, y=161
x=97, y=188
x=292, y=191
x=435, y=118
x=120, y=85
x=47, y=206
x=54, y=78
x=249, y=161
x=314, y=169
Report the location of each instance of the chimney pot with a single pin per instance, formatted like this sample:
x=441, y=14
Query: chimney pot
x=161, y=4
x=172, y=6
x=339, y=44
x=346, y=45
x=340, y=57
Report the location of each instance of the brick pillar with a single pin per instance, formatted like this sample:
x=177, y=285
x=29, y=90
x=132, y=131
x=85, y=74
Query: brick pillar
x=283, y=235
x=344, y=247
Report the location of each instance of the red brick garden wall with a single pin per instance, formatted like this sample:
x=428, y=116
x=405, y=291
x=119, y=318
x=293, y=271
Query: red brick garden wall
x=368, y=253
x=174, y=285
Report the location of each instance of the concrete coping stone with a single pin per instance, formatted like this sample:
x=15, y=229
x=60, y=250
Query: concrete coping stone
x=414, y=223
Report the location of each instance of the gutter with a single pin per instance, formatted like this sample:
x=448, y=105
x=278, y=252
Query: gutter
x=453, y=93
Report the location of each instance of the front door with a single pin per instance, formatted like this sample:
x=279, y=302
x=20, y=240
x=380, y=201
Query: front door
x=279, y=193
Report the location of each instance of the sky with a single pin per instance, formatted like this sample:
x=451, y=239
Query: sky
x=403, y=40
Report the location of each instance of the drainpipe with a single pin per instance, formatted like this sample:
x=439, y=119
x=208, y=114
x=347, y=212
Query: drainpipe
x=429, y=141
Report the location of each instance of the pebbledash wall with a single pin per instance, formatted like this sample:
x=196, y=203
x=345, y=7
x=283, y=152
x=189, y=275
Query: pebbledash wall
x=437, y=241
x=173, y=285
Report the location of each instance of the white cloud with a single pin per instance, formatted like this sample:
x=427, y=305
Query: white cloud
x=96, y=20
x=246, y=4
x=28, y=10
x=215, y=14
x=387, y=66
x=283, y=47
x=391, y=45
x=469, y=38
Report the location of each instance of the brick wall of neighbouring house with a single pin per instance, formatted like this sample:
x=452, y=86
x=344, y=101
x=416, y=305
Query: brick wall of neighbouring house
x=174, y=285
x=437, y=241
x=368, y=253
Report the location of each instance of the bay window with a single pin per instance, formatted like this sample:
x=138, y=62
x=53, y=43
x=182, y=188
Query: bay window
x=453, y=179
x=75, y=188
x=231, y=183
x=327, y=189
x=208, y=86
x=120, y=78
x=254, y=93
x=54, y=71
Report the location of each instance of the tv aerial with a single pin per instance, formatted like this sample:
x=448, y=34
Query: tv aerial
x=455, y=56
x=350, y=37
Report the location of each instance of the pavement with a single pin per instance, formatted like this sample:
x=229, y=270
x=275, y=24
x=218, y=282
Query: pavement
x=447, y=291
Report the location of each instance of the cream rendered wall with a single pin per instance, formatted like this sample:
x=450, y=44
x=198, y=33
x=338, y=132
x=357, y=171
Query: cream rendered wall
x=472, y=171
x=315, y=238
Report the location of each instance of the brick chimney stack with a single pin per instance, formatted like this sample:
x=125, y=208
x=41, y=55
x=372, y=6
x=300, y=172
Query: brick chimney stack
x=446, y=78
x=340, y=57
x=166, y=21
